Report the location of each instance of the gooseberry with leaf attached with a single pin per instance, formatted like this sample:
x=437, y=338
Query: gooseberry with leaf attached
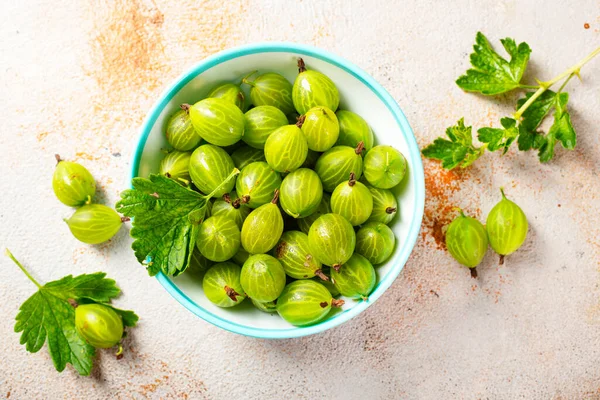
x=467, y=241
x=352, y=200
x=320, y=127
x=95, y=223
x=375, y=241
x=217, y=121
x=332, y=240
x=176, y=165
x=313, y=89
x=286, y=148
x=271, y=89
x=357, y=279
x=263, y=277
x=353, y=130
x=301, y=193
x=221, y=285
x=180, y=132
x=261, y=121
x=384, y=167
x=263, y=227
x=305, y=302
x=99, y=325
x=335, y=165
x=218, y=238
x=296, y=257
x=506, y=227
x=231, y=93
x=210, y=166
x=257, y=183
x=72, y=183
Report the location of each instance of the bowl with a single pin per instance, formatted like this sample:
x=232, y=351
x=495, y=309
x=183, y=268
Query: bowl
x=360, y=93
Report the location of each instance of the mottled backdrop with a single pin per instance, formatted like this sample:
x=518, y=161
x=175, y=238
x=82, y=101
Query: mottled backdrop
x=77, y=78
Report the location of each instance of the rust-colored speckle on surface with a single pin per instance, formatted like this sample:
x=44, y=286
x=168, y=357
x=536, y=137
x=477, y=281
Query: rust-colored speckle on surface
x=586, y=25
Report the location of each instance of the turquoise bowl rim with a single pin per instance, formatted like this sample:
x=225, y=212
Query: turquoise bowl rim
x=416, y=174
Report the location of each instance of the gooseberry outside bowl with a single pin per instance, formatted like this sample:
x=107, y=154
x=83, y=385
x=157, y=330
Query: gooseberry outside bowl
x=360, y=93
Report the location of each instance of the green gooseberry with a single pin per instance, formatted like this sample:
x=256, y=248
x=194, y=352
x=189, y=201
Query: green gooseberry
x=320, y=127
x=296, y=257
x=268, y=307
x=198, y=264
x=384, y=167
x=180, y=132
x=210, y=166
x=305, y=302
x=324, y=208
x=311, y=159
x=261, y=121
x=332, y=240
x=301, y=193
x=506, y=227
x=326, y=271
x=95, y=223
x=218, y=238
x=352, y=200
x=357, y=279
x=375, y=241
x=263, y=227
x=230, y=206
x=221, y=285
x=385, y=206
x=271, y=89
x=99, y=325
x=257, y=183
x=231, y=93
x=217, y=121
x=246, y=155
x=353, y=130
x=176, y=165
x=286, y=148
x=467, y=241
x=263, y=277
x=335, y=165
x=72, y=183
x=313, y=89
x=241, y=256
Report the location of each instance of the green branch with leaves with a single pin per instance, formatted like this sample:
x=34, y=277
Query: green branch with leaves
x=492, y=75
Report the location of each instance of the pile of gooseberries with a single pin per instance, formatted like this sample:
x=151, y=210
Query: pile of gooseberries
x=75, y=186
x=306, y=220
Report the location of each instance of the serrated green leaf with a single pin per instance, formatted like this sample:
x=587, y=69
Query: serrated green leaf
x=537, y=111
x=166, y=220
x=499, y=138
x=562, y=129
x=491, y=74
x=529, y=139
x=458, y=151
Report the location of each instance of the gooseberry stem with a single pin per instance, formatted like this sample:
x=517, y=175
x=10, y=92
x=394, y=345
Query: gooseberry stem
x=185, y=107
x=301, y=65
x=352, y=180
x=58, y=159
x=300, y=121
x=245, y=78
x=275, y=197
x=473, y=272
x=337, y=302
x=501, y=259
x=10, y=255
x=321, y=275
x=574, y=70
x=359, y=148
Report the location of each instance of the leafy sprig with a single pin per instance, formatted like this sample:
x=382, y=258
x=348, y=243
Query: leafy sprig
x=49, y=315
x=166, y=221
x=491, y=74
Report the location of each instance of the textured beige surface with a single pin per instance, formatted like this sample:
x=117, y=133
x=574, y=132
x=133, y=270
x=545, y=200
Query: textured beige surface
x=77, y=79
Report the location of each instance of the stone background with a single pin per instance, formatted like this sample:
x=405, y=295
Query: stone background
x=77, y=78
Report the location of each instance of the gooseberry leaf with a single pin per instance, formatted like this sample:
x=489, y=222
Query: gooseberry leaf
x=561, y=130
x=499, y=138
x=491, y=74
x=166, y=221
x=458, y=151
x=49, y=314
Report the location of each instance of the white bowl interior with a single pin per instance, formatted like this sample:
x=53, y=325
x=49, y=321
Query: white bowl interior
x=355, y=96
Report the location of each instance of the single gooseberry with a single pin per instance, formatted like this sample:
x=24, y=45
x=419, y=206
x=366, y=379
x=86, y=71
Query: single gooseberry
x=268, y=307
x=246, y=155
x=313, y=89
x=72, y=183
x=99, y=325
x=95, y=223
x=271, y=89
x=210, y=166
x=357, y=279
x=353, y=129
x=263, y=227
x=335, y=165
x=467, y=241
x=296, y=258
x=305, y=302
x=221, y=285
x=180, y=132
x=385, y=205
x=261, y=121
x=176, y=165
x=375, y=241
x=301, y=193
x=256, y=183
x=506, y=227
x=286, y=148
x=324, y=208
x=218, y=238
x=217, y=121
x=352, y=200
x=320, y=127
x=384, y=167
x=332, y=240
x=263, y=277
x=231, y=93
x=230, y=206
